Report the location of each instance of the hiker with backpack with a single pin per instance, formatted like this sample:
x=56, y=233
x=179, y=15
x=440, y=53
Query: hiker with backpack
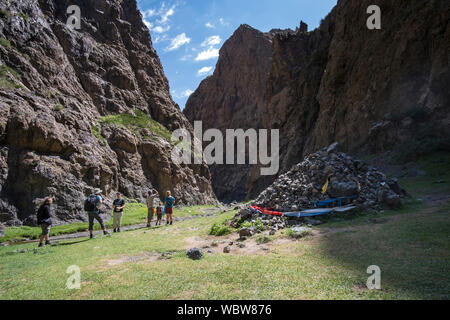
x=119, y=205
x=92, y=207
x=169, y=202
x=45, y=221
x=152, y=195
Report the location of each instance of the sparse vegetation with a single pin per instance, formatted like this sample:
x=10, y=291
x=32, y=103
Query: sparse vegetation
x=5, y=13
x=5, y=81
x=263, y=240
x=257, y=224
x=58, y=107
x=23, y=16
x=97, y=133
x=137, y=122
x=5, y=43
x=220, y=229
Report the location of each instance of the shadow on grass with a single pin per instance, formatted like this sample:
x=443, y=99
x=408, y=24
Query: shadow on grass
x=64, y=244
x=412, y=250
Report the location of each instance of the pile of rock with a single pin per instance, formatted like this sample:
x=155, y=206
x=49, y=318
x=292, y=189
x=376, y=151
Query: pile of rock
x=270, y=224
x=303, y=184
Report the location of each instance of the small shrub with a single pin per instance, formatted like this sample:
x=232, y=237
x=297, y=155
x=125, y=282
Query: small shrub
x=263, y=240
x=96, y=132
x=5, y=81
x=5, y=42
x=258, y=225
x=220, y=229
x=5, y=13
x=23, y=16
x=4, y=69
x=58, y=107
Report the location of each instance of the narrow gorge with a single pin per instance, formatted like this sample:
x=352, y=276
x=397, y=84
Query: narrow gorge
x=373, y=91
x=84, y=109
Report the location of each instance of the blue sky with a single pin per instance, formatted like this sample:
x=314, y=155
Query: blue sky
x=187, y=34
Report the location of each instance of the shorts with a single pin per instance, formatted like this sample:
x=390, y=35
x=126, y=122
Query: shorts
x=160, y=216
x=45, y=229
x=169, y=210
x=151, y=212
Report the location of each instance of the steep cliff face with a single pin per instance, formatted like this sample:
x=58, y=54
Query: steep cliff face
x=84, y=108
x=370, y=90
x=233, y=97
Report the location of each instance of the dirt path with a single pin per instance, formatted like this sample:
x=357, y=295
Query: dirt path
x=85, y=234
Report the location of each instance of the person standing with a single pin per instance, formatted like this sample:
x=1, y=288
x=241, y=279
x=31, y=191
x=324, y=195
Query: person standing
x=118, y=205
x=152, y=195
x=92, y=206
x=45, y=221
x=169, y=202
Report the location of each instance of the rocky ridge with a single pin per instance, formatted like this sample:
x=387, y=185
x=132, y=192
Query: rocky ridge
x=371, y=90
x=85, y=108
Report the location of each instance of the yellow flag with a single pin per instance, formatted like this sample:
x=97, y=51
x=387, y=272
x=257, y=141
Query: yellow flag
x=325, y=188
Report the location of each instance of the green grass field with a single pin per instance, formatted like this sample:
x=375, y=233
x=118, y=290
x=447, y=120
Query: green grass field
x=411, y=246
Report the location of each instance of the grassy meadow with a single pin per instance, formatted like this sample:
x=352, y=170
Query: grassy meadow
x=411, y=246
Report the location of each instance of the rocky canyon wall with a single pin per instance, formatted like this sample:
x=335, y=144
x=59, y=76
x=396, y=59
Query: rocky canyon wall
x=370, y=90
x=85, y=108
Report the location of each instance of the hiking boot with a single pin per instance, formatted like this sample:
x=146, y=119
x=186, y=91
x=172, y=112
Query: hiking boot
x=40, y=245
x=118, y=230
x=106, y=233
x=48, y=243
x=171, y=222
x=114, y=230
x=92, y=236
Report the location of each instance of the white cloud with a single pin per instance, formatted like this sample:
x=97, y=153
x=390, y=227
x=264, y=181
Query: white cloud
x=204, y=70
x=166, y=14
x=209, y=25
x=211, y=41
x=148, y=24
x=187, y=93
x=148, y=13
x=186, y=57
x=211, y=53
x=160, y=29
x=178, y=41
x=160, y=25
x=182, y=95
x=159, y=38
x=223, y=22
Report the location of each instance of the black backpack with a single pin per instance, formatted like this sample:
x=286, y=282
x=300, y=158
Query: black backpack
x=90, y=204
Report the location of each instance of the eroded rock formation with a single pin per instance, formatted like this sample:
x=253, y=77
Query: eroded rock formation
x=85, y=108
x=370, y=90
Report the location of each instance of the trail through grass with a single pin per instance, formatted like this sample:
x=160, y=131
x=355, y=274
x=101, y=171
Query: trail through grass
x=411, y=246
